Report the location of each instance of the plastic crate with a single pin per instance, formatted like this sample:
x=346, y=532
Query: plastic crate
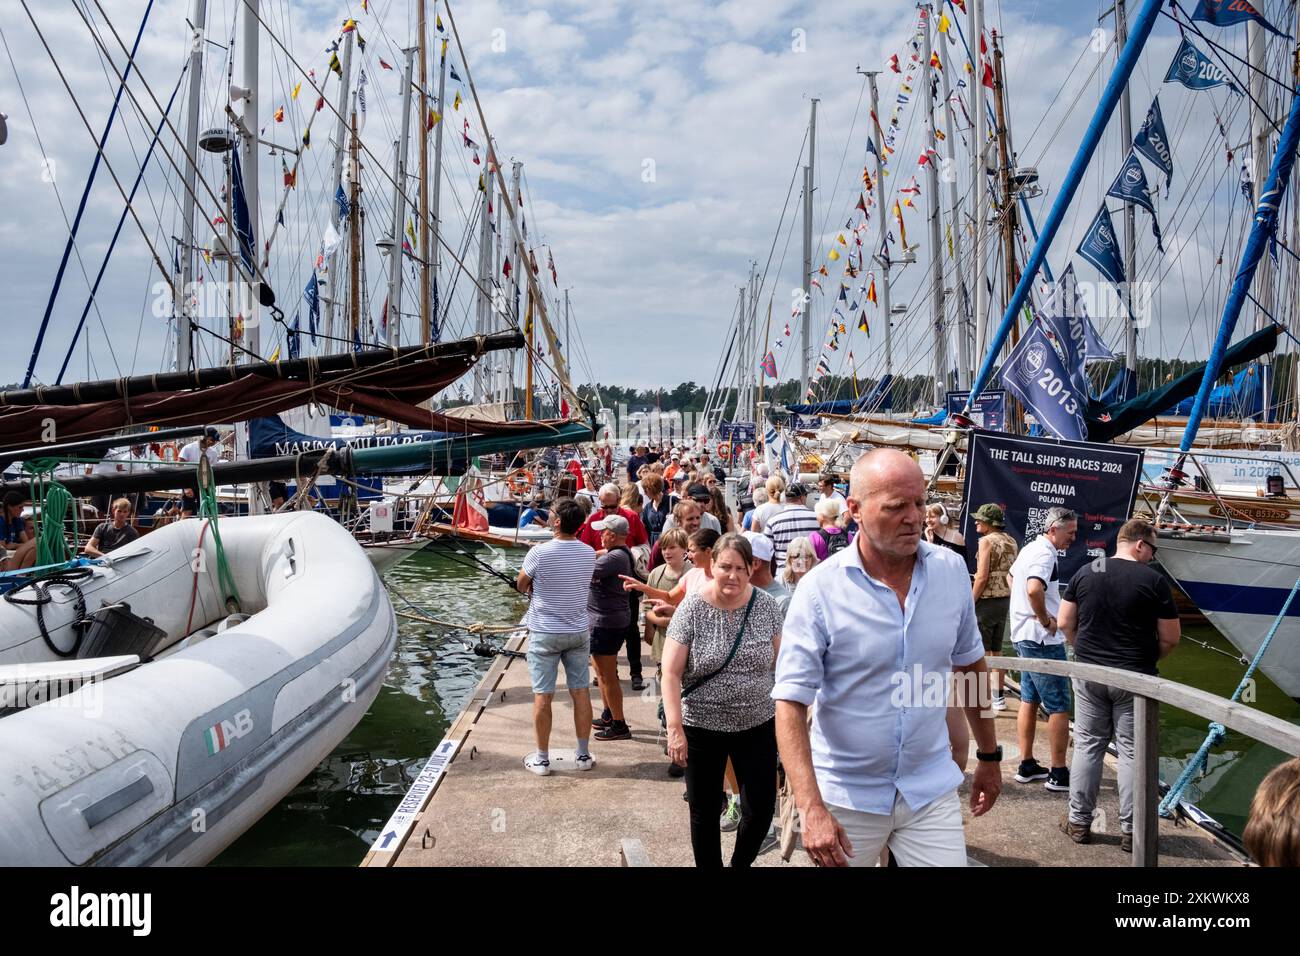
x=114, y=630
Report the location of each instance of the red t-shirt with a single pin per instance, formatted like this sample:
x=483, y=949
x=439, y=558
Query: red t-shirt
x=635, y=529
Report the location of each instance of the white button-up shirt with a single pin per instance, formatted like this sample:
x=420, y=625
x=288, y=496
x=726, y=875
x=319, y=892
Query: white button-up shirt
x=876, y=675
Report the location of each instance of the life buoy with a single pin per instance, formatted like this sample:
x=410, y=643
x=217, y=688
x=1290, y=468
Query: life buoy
x=167, y=451
x=724, y=449
x=520, y=482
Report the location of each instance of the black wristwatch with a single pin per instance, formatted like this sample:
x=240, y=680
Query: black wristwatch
x=994, y=757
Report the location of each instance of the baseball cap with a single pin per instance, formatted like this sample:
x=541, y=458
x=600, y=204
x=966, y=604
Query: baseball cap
x=761, y=545
x=615, y=523
x=699, y=492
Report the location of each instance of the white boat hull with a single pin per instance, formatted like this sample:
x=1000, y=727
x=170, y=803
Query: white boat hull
x=1240, y=582
x=386, y=555
x=170, y=762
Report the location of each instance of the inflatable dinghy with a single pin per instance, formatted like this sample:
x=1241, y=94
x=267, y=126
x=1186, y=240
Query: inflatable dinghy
x=143, y=722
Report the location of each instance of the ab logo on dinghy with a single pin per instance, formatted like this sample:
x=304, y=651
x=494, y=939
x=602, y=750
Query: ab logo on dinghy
x=223, y=733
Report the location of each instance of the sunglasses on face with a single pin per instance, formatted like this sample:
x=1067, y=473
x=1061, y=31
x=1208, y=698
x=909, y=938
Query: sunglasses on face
x=1153, y=548
x=609, y=507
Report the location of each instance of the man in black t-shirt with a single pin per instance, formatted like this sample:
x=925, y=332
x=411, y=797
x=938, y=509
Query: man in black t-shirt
x=1118, y=612
x=111, y=535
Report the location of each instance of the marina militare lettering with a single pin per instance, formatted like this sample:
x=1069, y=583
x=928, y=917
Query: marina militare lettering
x=75, y=908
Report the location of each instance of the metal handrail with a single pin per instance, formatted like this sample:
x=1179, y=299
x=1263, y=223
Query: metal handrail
x=1226, y=509
x=1149, y=693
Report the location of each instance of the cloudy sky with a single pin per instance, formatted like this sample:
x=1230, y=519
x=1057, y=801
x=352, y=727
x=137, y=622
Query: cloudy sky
x=658, y=144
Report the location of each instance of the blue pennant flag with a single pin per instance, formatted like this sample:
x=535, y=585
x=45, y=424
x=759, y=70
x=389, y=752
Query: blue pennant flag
x=294, y=339
x=356, y=339
x=1226, y=13
x=1035, y=375
x=1195, y=70
x=1095, y=348
x=341, y=200
x=1153, y=142
x=243, y=222
x=312, y=295
x=1100, y=248
x=1063, y=316
x=1131, y=186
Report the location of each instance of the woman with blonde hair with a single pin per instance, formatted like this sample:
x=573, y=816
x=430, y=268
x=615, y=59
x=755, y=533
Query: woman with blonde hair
x=800, y=558
x=829, y=536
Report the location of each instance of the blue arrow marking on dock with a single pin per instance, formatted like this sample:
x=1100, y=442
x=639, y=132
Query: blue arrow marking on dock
x=389, y=837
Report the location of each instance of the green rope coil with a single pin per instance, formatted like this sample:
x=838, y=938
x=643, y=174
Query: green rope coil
x=208, y=509
x=55, y=499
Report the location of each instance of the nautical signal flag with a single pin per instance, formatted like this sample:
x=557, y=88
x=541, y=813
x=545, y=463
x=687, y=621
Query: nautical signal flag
x=279, y=114
x=862, y=203
x=550, y=264
x=506, y=268
x=438, y=22
x=871, y=288
x=349, y=25
x=769, y=365
x=893, y=63
x=944, y=23
x=306, y=138
x=384, y=65
x=935, y=61
x=432, y=119
x=410, y=231
x=293, y=94
x=823, y=271
x=863, y=324
x=335, y=65
x=457, y=101
x=834, y=255
x=290, y=177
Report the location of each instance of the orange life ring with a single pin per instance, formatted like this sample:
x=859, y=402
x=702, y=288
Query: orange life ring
x=724, y=449
x=167, y=451
x=520, y=482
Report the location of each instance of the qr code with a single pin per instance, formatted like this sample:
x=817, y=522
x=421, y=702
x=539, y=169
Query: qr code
x=1035, y=523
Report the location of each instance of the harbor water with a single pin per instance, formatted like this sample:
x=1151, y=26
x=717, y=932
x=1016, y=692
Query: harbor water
x=331, y=817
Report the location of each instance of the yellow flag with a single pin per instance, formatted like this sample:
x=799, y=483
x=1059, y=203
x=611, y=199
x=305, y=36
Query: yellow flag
x=944, y=23
x=456, y=102
x=444, y=48
x=275, y=356
x=410, y=231
x=840, y=239
x=834, y=255
x=294, y=94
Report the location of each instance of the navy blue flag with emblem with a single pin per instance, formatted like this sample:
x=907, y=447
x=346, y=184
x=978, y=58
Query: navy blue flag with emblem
x=1067, y=294
x=1195, y=70
x=1153, y=142
x=1100, y=248
x=341, y=200
x=312, y=295
x=1035, y=375
x=1131, y=186
x=1226, y=13
x=294, y=342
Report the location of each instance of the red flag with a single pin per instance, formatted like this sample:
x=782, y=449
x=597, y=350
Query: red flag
x=988, y=76
x=893, y=63
x=532, y=261
x=550, y=264
x=506, y=268
x=383, y=64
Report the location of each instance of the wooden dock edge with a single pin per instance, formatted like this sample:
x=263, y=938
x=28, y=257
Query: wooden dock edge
x=454, y=741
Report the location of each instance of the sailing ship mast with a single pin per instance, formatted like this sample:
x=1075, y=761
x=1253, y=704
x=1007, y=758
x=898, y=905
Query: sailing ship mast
x=979, y=179
x=937, y=301
x=336, y=180
x=1130, y=236
x=1261, y=125
x=184, y=327
x=882, y=250
x=954, y=229
x=434, y=250
x=397, y=259
x=423, y=200
x=248, y=166
x=805, y=280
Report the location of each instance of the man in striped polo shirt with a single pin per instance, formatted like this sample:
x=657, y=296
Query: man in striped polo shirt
x=558, y=575
x=795, y=520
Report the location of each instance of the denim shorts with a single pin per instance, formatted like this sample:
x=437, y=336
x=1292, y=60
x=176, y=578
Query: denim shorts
x=546, y=651
x=1047, y=689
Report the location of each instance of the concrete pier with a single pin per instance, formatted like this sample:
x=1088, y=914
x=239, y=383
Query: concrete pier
x=480, y=807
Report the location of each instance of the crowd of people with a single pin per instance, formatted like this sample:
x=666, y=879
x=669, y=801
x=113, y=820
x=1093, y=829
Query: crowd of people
x=778, y=633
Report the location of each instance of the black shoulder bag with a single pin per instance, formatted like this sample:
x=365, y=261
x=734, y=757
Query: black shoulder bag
x=735, y=646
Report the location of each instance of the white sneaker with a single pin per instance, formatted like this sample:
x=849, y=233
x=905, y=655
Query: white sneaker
x=999, y=703
x=731, y=817
x=585, y=761
x=537, y=765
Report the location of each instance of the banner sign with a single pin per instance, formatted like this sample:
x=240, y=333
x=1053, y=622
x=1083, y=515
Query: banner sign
x=743, y=432
x=800, y=424
x=1026, y=477
x=988, y=412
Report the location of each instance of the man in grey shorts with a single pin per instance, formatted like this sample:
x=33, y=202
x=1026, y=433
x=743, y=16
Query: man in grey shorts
x=558, y=575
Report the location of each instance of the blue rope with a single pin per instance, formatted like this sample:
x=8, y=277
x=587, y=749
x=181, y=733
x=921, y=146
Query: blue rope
x=1217, y=731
